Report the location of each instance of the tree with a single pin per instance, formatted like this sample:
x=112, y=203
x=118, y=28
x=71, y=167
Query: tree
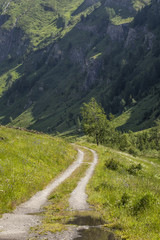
x=94, y=120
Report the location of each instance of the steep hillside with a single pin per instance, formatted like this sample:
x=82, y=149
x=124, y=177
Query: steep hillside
x=56, y=55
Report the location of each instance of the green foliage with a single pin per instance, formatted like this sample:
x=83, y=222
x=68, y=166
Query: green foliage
x=143, y=203
x=124, y=199
x=94, y=120
x=112, y=164
x=134, y=169
x=124, y=142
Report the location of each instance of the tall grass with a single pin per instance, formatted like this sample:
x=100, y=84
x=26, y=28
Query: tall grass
x=28, y=162
x=126, y=190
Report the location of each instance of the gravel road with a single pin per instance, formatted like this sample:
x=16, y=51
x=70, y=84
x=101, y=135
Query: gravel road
x=16, y=225
x=78, y=199
x=77, y=202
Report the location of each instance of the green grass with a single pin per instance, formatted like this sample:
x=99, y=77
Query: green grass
x=118, y=20
x=56, y=214
x=28, y=16
x=28, y=162
x=140, y=116
x=127, y=194
x=138, y=4
x=8, y=76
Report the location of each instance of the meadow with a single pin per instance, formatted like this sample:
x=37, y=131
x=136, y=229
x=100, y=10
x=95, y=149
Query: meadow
x=126, y=191
x=28, y=162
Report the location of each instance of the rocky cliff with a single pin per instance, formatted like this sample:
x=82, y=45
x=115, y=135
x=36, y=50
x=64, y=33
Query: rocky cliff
x=55, y=56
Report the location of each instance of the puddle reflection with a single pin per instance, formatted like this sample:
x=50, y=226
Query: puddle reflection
x=94, y=233
x=86, y=220
x=90, y=229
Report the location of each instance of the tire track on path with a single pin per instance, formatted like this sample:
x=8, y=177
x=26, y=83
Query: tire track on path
x=78, y=205
x=16, y=225
x=78, y=198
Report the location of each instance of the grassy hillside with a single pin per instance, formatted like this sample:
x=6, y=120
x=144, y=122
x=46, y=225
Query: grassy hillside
x=41, y=21
x=57, y=55
x=126, y=191
x=28, y=162
x=140, y=115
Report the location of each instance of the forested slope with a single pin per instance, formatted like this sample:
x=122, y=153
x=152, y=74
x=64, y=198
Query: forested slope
x=56, y=55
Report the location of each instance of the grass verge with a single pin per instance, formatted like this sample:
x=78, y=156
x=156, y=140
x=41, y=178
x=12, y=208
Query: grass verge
x=28, y=162
x=126, y=191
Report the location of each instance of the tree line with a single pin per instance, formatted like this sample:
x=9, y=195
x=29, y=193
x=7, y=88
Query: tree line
x=99, y=127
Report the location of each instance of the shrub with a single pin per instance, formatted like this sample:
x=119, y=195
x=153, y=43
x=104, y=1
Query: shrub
x=134, y=169
x=112, y=164
x=143, y=203
x=125, y=198
x=133, y=151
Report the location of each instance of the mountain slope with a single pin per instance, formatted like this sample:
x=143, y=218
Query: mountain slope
x=62, y=53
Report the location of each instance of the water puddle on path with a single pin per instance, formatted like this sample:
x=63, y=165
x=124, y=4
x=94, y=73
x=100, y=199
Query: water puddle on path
x=91, y=228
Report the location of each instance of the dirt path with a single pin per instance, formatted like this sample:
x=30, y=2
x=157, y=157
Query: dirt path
x=78, y=204
x=78, y=199
x=16, y=225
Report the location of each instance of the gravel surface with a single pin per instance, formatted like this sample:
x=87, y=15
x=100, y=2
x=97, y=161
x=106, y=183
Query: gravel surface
x=15, y=226
x=78, y=199
x=77, y=202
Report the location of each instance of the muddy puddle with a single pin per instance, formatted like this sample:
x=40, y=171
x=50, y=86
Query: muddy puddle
x=94, y=233
x=86, y=221
x=91, y=228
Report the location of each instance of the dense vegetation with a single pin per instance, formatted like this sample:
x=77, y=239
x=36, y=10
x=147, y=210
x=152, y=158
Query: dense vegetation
x=28, y=162
x=69, y=51
x=102, y=130
x=94, y=120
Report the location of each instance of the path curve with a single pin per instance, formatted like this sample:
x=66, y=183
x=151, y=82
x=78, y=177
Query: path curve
x=16, y=225
x=78, y=198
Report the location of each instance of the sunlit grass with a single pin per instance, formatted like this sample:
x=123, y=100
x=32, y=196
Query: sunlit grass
x=128, y=195
x=28, y=162
x=118, y=20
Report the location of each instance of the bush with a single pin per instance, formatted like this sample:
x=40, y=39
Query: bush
x=143, y=203
x=112, y=164
x=133, y=151
x=124, y=142
x=124, y=199
x=134, y=169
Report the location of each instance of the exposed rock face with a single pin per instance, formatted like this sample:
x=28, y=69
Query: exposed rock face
x=12, y=42
x=93, y=68
x=84, y=27
x=131, y=37
x=90, y=2
x=77, y=56
x=149, y=39
x=54, y=54
x=116, y=32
